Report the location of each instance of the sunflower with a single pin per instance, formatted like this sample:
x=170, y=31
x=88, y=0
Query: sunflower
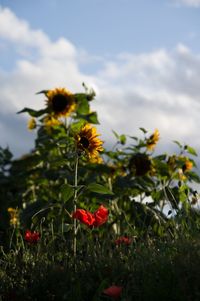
x=140, y=164
x=49, y=121
x=14, y=216
x=152, y=140
x=31, y=124
x=188, y=165
x=87, y=141
x=61, y=102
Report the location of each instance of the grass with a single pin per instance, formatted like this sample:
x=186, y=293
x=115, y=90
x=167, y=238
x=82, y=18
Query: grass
x=147, y=270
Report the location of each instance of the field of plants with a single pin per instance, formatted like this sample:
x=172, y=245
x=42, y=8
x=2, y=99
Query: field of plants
x=80, y=222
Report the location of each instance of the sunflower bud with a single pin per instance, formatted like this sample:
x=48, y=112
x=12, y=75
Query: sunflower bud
x=31, y=124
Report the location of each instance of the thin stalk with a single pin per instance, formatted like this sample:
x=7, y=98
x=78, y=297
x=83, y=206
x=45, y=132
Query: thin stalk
x=75, y=204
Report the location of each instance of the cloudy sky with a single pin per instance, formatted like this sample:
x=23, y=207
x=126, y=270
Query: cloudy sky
x=141, y=57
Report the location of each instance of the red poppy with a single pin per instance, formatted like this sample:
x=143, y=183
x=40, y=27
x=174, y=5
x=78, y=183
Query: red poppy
x=113, y=291
x=101, y=216
x=84, y=217
x=123, y=240
x=96, y=219
x=31, y=237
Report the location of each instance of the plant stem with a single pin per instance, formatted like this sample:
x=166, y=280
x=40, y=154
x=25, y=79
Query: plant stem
x=75, y=203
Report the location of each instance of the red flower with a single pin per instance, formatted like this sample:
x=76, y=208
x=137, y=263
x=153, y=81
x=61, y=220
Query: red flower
x=96, y=219
x=101, y=216
x=123, y=240
x=32, y=237
x=113, y=291
x=84, y=217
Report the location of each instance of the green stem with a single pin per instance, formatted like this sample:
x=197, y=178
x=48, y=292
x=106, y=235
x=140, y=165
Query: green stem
x=75, y=203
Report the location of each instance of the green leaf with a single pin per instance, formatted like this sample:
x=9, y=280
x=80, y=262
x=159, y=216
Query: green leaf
x=122, y=139
x=33, y=113
x=178, y=143
x=76, y=126
x=116, y=135
x=94, y=187
x=143, y=130
x=91, y=117
x=67, y=192
x=80, y=97
x=43, y=92
x=83, y=107
x=190, y=150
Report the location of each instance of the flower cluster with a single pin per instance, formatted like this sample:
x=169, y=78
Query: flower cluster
x=32, y=237
x=96, y=219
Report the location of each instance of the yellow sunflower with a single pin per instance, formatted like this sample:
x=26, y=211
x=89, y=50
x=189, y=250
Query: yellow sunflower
x=14, y=216
x=152, y=140
x=49, y=121
x=61, y=102
x=188, y=165
x=31, y=124
x=87, y=141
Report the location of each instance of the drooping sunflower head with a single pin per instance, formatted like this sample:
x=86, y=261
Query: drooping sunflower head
x=140, y=164
x=61, y=102
x=152, y=140
x=88, y=142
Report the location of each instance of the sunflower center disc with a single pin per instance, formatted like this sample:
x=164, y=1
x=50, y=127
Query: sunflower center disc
x=59, y=103
x=84, y=142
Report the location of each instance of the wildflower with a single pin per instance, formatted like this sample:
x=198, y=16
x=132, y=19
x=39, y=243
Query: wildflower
x=140, y=164
x=87, y=141
x=152, y=140
x=113, y=291
x=61, y=102
x=101, y=216
x=84, y=217
x=31, y=237
x=96, y=219
x=14, y=216
x=188, y=165
x=31, y=124
x=123, y=240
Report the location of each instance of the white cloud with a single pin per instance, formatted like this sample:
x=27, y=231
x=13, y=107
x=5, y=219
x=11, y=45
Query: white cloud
x=192, y=3
x=152, y=90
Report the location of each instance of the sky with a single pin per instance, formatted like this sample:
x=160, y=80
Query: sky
x=142, y=58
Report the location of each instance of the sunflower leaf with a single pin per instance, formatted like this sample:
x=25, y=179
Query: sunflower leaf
x=83, y=107
x=91, y=117
x=67, y=192
x=42, y=92
x=32, y=112
x=143, y=130
x=190, y=150
x=94, y=187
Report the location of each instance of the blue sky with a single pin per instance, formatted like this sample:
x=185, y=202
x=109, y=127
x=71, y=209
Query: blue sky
x=142, y=58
